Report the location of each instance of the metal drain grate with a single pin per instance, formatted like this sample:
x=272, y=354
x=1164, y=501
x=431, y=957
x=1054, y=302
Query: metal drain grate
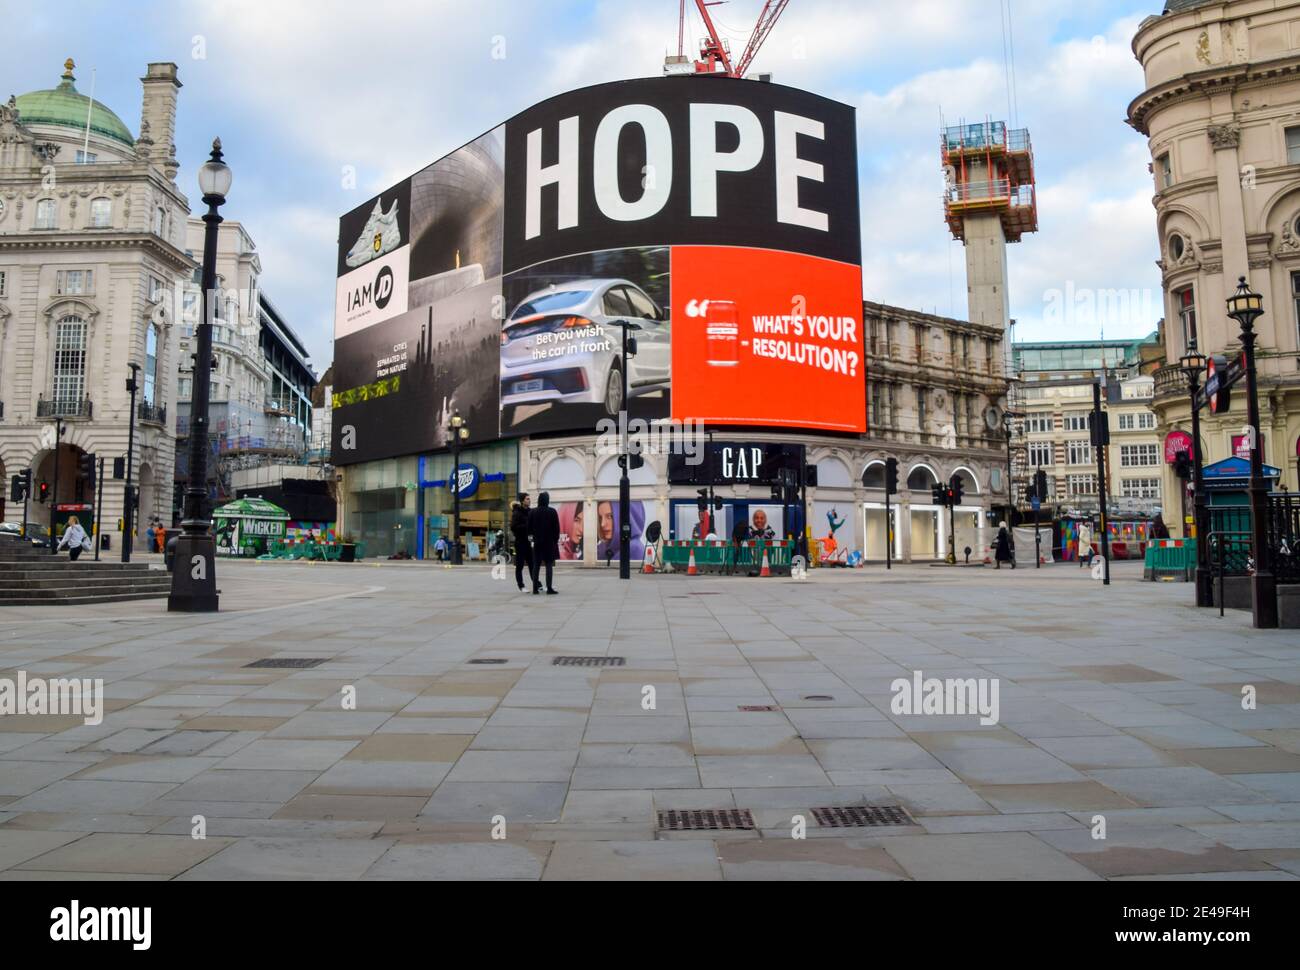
x=289, y=663
x=861, y=816
x=757, y=708
x=488, y=660
x=707, y=820
x=588, y=661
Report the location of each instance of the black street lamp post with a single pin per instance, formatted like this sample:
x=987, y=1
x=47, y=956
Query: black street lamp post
x=456, y=432
x=128, y=500
x=1246, y=307
x=194, y=576
x=54, y=495
x=1194, y=363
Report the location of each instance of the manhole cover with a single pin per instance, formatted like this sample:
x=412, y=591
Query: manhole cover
x=707, y=820
x=488, y=660
x=289, y=663
x=756, y=708
x=861, y=816
x=588, y=661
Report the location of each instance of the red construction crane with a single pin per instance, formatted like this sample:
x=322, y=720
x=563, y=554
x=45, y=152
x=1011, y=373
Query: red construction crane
x=714, y=50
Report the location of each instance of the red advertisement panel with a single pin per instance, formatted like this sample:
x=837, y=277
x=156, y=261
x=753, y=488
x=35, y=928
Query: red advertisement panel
x=767, y=338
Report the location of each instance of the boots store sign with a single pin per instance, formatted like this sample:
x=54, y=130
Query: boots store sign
x=715, y=219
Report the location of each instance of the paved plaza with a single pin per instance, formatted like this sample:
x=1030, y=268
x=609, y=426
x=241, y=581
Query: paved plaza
x=1120, y=711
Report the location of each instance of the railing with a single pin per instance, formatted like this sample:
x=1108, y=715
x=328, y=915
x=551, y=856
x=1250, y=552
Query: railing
x=83, y=408
x=152, y=413
x=983, y=135
x=987, y=190
x=1229, y=546
x=1283, y=533
x=1171, y=380
x=278, y=405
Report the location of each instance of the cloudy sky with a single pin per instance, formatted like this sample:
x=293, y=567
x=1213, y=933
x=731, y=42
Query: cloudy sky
x=303, y=92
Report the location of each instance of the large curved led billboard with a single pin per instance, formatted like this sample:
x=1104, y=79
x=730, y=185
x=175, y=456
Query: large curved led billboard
x=715, y=220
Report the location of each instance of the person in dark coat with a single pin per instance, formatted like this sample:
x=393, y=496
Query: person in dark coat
x=1004, y=549
x=524, y=558
x=544, y=524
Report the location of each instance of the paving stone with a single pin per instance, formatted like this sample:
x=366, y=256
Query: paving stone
x=460, y=861
x=291, y=859
x=986, y=857
x=678, y=861
x=518, y=802
x=158, y=855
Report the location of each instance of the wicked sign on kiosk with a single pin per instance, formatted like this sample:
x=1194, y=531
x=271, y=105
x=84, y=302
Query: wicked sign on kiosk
x=715, y=221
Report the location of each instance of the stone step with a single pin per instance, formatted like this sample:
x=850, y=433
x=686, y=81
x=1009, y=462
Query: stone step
x=83, y=600
x=63, y=592
x=93, y=582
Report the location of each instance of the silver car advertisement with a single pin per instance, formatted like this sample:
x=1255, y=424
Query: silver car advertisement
x=562, y=340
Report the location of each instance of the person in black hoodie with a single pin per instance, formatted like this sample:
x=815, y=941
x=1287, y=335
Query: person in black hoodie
x=544, y=524
x=524, y=558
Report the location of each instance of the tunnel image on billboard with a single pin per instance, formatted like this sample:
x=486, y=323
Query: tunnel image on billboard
x=715, y=220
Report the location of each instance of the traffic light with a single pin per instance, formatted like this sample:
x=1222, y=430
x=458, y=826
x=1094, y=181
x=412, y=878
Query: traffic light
x=87, y=467
x=702, y=503
x=939, y=495
x=891, y=476
x=1099, y=429
x=1040, y=484
x=44, y=495
x=954, y=489
x=119, y=468
x=1183, y=465
x=16, y=491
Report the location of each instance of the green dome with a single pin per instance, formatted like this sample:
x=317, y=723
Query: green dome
x=66, y=107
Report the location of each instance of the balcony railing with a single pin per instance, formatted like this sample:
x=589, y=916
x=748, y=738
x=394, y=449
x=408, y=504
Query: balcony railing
x=152, y=413
x=59, y=408
x=1171, y=381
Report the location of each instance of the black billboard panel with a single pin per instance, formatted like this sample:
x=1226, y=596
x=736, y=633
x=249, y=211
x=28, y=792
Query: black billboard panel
x=682, y=161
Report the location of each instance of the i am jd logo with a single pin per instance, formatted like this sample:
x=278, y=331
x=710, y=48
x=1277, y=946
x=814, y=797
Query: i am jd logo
x=375, y=294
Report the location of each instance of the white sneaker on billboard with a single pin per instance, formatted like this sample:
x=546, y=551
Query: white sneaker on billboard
x=381, y=235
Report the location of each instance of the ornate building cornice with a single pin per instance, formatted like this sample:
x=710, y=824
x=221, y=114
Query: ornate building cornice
x=98, y=239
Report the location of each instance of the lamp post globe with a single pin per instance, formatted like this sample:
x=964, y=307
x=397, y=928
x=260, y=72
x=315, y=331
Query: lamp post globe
x=1246, y=306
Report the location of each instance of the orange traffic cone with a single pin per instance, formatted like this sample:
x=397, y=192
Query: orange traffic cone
x=690, y=566
x=649, y=566
x=767, y=566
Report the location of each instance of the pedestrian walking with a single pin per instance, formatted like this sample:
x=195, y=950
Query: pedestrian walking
x=1004, y=547
x=440, y=548
x=544, y=526
x=1158, y=528
x=519, y=528
x=75, y=539
x=149, y=536
x=1085, y=544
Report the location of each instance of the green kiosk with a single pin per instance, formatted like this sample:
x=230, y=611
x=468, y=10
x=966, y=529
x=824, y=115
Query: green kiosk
x=1227, y=499
x=246, y=527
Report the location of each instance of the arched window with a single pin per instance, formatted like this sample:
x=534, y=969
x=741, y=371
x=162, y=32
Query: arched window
x=69, y=362
x=47, y=211
x=150, y=364
x=101, y=213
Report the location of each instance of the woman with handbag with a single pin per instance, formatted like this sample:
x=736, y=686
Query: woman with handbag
x=75, y=539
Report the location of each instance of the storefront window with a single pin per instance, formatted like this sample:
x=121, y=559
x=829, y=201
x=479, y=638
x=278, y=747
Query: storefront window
x=382, y=506
x=483, y=514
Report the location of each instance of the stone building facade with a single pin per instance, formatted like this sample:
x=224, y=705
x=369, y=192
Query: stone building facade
x=92, y=248
x=1221, y=111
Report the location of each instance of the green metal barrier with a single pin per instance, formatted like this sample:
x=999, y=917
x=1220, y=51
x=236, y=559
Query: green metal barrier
x=718, y=558
x=1170, y=559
